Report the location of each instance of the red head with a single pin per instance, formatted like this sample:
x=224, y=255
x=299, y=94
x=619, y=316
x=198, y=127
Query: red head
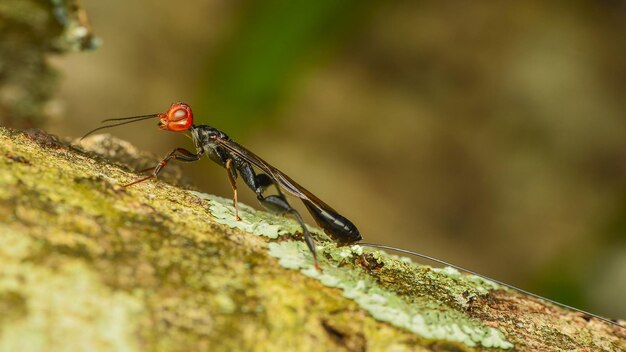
x=178, y=117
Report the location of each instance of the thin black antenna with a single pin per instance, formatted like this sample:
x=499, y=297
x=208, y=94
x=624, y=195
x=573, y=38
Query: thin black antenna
x=381, y=246
x=133, y=118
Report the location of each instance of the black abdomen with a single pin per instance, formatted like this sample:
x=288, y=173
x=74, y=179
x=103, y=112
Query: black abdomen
x=336, y=226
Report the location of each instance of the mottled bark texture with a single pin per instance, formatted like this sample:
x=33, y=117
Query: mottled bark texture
x=88, y=265
x=30, y=31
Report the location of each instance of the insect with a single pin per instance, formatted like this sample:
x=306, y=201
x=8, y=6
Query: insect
x=239, y=161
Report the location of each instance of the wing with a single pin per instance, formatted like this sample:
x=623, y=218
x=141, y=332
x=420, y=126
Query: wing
x=334, y=224
x=284, y=181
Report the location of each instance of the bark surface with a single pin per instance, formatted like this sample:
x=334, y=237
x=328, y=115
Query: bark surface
x=88, y=265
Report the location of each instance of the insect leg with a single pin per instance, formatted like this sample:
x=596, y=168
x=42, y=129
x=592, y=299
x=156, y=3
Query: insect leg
x=232, y=177
x=178, y=154
x=279, y=204
x=276, y=203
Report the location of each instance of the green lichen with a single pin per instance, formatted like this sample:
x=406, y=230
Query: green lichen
x=259, y=223
x=421, y=315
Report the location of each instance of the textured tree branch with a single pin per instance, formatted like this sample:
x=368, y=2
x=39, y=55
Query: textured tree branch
x=30, y=31
x=88, y=265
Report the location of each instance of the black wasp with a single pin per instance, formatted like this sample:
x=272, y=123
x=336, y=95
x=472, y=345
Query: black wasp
x=239, y=161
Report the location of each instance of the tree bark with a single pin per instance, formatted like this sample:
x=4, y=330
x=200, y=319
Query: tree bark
x=31, y=31
x=86, y=264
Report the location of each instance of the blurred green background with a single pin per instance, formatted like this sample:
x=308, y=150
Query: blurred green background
x=489, y=134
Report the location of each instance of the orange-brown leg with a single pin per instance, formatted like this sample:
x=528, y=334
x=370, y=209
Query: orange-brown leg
x=178, y=154
x=233, y=184
x=138, y=181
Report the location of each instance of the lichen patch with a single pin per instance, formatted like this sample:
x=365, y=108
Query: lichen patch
x=260, y=223
x=423, y=315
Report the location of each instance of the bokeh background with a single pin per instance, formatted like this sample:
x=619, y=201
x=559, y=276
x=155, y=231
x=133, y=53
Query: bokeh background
x=489, y=134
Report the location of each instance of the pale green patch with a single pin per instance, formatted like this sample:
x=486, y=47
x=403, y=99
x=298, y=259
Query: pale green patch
x=483, y=285
x=260, y=223
x=421, y=315
x=65, y=308
x=289, y=256
x=357, y=249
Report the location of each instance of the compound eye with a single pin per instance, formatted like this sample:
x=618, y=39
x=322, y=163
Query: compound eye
x=179, y=114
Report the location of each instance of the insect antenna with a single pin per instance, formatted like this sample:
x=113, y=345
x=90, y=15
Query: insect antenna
x=132, y=119
x=439, y=261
